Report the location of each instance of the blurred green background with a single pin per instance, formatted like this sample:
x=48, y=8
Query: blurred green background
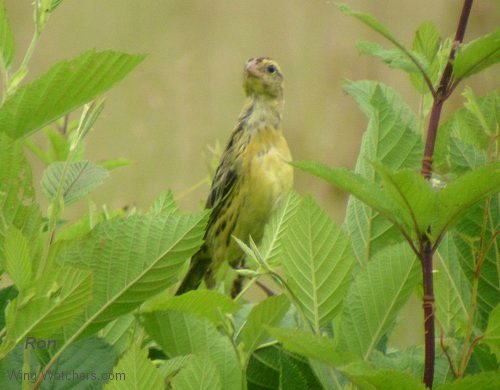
x=187, y=94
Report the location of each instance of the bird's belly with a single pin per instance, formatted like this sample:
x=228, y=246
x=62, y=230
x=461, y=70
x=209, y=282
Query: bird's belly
x=272, y=177
x=269, y=180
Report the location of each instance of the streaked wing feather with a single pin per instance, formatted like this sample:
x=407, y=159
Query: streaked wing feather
x=228, y=173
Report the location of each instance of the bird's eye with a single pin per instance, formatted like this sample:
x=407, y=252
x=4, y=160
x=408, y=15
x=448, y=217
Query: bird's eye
x=271, y=69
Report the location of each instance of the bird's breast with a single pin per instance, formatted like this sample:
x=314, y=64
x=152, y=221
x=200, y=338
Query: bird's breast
x=267, y=178
x=268, y=162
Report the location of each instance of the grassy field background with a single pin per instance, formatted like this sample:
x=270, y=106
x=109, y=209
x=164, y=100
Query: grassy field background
x=187, y=94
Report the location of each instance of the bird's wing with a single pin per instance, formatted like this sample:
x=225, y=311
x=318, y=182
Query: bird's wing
x=226, y=177
x=222, y=186
x=224, y=183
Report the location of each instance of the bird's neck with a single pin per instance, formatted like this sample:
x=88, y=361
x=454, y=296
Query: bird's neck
x=262, y=112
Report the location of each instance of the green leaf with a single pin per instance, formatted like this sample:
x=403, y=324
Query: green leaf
x=459, y=195
x=312, y=346
x=53, y=4
x=477, y=55
x=465, y=157
x=183, y=333
x=84, y=364
x=426, y=44
x=427, y=40
x=390, y=119
x=136, y=370
x=199, y=372
x=318, y=262
x=18, y=262
x=370, y=22
x=382, y=30
x=411, y=361
x=134, y=258
x=482, y=220
x=484, y=110
x=7, y=294
x=374, y=299
x=43, y=9
x=13, y=363
x=452, y=289
x=115, y=163
x=484, y=381
x=52, y=302
x=85, y=224
x=72, y=181
x=377, y=206
x=7, y=44
x=492, y=335
x=411, y=196
x=390, y=139
x=65, y=87
x=475, y=124
x=364, y=189
x=165, y=203
x=382, y=379
x=268, y=312
x=271, y=245
x=406, y=199
x=482, y=359
x=90, y=113
x=119, y=333
x=464, y=140
x=275, y=368
x=17, y=196
x=394, y=58
x=209, y=304
x=169, y=368
x=58, y=149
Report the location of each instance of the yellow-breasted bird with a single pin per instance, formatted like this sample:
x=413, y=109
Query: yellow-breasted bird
x=252, y=177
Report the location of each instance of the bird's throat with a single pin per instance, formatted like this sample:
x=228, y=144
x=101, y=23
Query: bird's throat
x=262, y=112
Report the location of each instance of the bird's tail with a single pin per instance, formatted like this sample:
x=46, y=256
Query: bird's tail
x=200, y=264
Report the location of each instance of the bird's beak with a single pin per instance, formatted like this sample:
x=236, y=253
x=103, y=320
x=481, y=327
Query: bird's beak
x=252, y=70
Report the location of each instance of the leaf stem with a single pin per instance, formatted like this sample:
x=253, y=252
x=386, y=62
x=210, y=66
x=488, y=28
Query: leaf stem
x=13, y=82
x=468, y=332
x=30, y=50
x=412, y=58
x=444, y=348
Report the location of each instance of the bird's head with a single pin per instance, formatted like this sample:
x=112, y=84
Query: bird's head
x=262, y=76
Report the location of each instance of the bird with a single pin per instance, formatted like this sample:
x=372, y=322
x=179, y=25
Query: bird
x=253, y=176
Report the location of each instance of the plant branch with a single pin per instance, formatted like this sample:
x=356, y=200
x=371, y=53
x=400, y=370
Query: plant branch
x=264, y=288
x=471, y=347
x=429, y=310
x=443, y=92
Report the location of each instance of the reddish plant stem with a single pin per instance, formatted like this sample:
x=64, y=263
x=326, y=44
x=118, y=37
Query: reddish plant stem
x=429, y=308
x=442, y=93
x=437, y=106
